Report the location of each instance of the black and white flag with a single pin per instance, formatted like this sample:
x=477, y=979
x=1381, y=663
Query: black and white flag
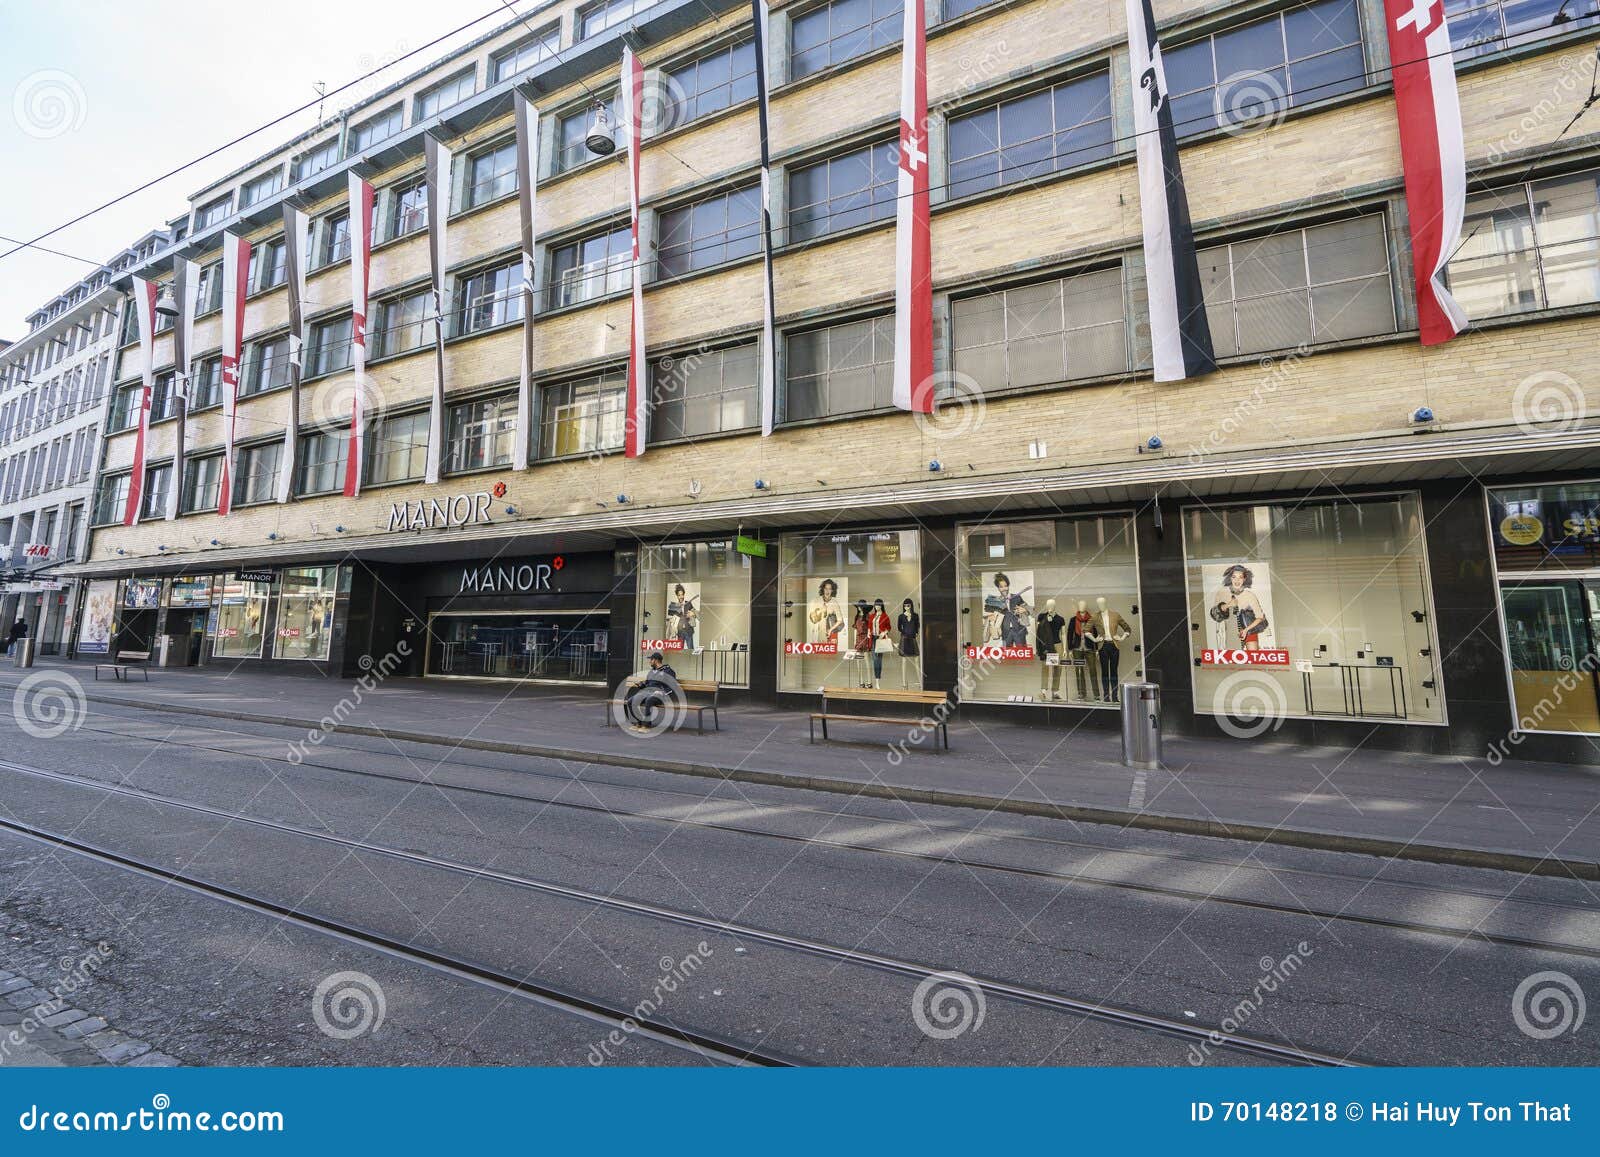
x=437, y=179
x=186, y=295
x=296, y=230
x=527, y=119
x=1180, y=337
x=769, y=353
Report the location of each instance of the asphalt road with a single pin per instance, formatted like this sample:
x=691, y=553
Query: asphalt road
x=1341, y=955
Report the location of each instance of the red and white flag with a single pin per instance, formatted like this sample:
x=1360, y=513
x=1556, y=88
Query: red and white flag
x=186, y=295
x=631, y=106
x=144, y=304
x=235, y=288
x=296, y=247
x=360, y=270
x=1432, y=153
x=527, y=125
x=913, y=243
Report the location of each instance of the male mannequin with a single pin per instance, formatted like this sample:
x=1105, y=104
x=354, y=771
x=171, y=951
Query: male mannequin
x=1113, y=629
x=1047, y=636
x=1081, y=637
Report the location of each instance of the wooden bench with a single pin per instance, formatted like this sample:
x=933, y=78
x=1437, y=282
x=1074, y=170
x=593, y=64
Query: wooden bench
x=932, y=702
x=697, y=687
x=124, y=662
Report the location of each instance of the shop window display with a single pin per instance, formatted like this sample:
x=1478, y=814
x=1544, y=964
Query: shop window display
x=850, y=610
x=241, y=610
x=1312, y=608
x=1049, y=610
x=694, y=607
x=305, y=613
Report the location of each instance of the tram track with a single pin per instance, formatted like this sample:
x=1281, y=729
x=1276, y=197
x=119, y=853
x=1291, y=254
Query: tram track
x=1214, y=1037
x=1074, y=879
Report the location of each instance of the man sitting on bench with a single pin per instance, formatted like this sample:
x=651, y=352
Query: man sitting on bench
x=651, y=695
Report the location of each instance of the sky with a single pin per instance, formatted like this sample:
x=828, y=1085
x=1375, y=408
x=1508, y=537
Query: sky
x=101, y=96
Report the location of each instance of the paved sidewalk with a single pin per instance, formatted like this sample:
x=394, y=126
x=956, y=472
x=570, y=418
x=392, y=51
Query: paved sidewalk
x=38, y=1030
x=1520, y=816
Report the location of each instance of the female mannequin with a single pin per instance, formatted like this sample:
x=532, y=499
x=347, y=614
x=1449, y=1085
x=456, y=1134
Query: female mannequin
x=861, y=628
x=1113, y=630
x=910, y=626
x=878, y=623
x=1081, y=637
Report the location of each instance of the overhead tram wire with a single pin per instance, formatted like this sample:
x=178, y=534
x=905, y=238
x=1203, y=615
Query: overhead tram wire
x=1561, y=31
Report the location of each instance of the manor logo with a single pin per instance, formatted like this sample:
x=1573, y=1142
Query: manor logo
x=496, y=579
x=441, y=513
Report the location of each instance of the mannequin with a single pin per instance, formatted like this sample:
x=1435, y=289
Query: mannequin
x=1113, y=630
x=861, y=644
x=1081, y=637
x=1047, y=637
x=878, y=622
x=908, y=627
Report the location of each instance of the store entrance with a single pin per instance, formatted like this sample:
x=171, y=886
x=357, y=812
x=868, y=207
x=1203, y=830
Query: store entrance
x=542, y=646
x=1551, y=628
x=190, y=628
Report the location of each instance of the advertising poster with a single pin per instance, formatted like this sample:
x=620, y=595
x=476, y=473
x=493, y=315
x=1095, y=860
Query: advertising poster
x=827, y=619
x=1239, y=625
x=1007, y=615
x=99, y=617
x=682, y=616
x=142, y=594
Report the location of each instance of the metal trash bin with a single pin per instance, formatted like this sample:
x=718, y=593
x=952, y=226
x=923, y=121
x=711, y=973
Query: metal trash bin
x=1141, y=725
x=22, y=652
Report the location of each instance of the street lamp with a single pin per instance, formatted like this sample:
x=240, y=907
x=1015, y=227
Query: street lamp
x=600, y=141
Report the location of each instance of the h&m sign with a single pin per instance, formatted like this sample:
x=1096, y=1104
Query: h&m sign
x=441, y=513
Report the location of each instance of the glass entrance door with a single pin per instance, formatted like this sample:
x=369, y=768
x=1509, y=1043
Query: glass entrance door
x=1551, y=629
x=554, y=646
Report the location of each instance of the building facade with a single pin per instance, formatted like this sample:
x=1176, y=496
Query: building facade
x=1340, y=536
x=55, y=384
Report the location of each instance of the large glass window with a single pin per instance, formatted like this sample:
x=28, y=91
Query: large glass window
x=704, y=393
x=213, y=213
x=851, y=610
x=1049, y=610
x=435, y=100
x=399, y=448
x=322, y=462
x=491, y=175
x=596, y=18
x=694, y=607
x=111, y=502
x=1533, y=246
x=335, y=239
x=481, y=434
x=582, y=417
x=404, y=324
x=267, y=265
x=712, y=82
x=1053, y=331
x=1478, y=28
x=843, y=369
x=491, y=298
x=841, y=30
x=589, y=268
x=1299, y=287
x=258, y=473
x=241, y=619
x=571, y=129
x=379, y=128
x=266, y=366
x=1031, y=136
x=1311, y=608
x=205, y=383
x=318, y=159
x=157, y=483
x=201, y=479
x=329, y=347
x=1306, y=54
x=547, y=646
x=724, y=227
x=408, y=210
x=526, y=53
x=305, y=612
x=843, y=192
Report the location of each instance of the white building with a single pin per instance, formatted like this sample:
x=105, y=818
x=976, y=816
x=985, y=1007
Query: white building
x=54, y=386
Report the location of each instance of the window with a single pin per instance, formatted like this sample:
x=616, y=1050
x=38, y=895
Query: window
x=1032, y=136
x=525, y=53
x=480, y=434
x=1534, y=246
x=1302, y=55
x=380, y=128
x=596, y=18
x=582, y=417
x=205, y=383
x=398, y=448
x=843, y=192
x=240, y=619
x=712, y=82
x=329, y=347
x=267, y=268
x=694, y=602
x=491, y=175
x=722, y=228
x=266, y=366
x=823, y=579
x=112, y=501
x=319, y=158
x=163, y=402
x=1054, y=331
x=706, y=393
x=432, y=101
x=591, y=268
x=404, y=324
x=335, y=239
x=408, y=209
x=202, y=478
x=1478, y=28
x=490, y=298
x=261, y=188
x=157, y=480
x=305, y=613
x=1299, y=286
x=213, y=212
x=72, y=543
x=209, y=294
x=957, y=8
x=258, y=473
x=841, y=30
x=322, y=462
x=843, y=369
x=571, y=151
